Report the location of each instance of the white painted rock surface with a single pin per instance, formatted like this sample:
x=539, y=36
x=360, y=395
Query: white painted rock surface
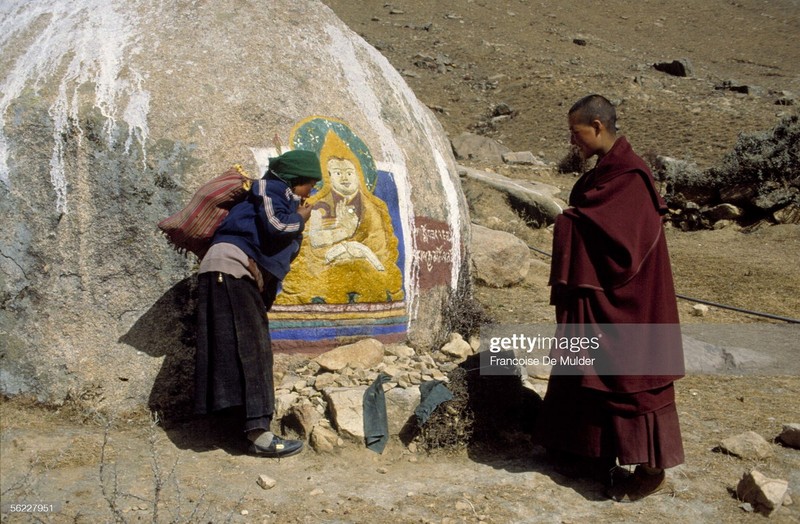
x=113, y=112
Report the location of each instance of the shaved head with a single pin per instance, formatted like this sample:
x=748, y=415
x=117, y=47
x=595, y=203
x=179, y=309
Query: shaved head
x=595, y=107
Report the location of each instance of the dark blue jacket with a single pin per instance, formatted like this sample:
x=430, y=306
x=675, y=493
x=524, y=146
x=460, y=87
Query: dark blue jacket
x=266, y=226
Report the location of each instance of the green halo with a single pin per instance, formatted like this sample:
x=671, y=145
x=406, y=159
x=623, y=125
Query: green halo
x=310, y=134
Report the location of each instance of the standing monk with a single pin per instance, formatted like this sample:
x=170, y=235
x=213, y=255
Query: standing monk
x=611, y=268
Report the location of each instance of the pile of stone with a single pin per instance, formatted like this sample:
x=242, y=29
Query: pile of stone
x=322, y=399
x=757, y=182
x=742, y=204
x=482, y=149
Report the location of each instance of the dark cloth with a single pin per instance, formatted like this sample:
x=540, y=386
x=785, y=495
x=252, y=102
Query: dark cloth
x=233, y=362
x=376, y=421
x=431, y=393
x=611, y=266
x=266, y=226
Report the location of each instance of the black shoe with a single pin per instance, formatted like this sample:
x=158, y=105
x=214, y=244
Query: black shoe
x=278, y=448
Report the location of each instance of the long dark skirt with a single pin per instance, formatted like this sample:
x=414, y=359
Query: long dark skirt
x=233, y=363
x=634, y=428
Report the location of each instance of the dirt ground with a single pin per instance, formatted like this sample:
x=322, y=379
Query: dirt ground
x=473, y=55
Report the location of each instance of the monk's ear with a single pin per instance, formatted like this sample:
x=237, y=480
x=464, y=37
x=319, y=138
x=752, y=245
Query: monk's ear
x=598, y=126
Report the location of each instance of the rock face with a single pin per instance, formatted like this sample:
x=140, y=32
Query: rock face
x=113, y=113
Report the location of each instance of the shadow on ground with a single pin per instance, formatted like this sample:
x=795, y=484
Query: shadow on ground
x=495, y=418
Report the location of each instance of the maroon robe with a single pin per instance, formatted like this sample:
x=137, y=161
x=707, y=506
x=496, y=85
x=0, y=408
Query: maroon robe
x=611, y=267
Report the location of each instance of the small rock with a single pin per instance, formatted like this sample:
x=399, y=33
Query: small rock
x=365, y=353
x=579, y=41
x=347, y=409
x=787, y=215
x=503, y=109
x=747, y=445
x=382, y=471
x=723, y=212
x=400, y=406
x=457, y=347
x=765, y=494
x=343, y=382
x=730, y=85
x=699, y=310
x=785, y=98
x=463, y=506
x=324, y=380
x=790, y=436
x=283, y=403
x=302, y=418
x=400, y=350
x=470, y=146
x=287, y=381
x=244, y=512
x=316, y=492
x=722, y=224
x=447, y=367
x=266, y=482
x=537, y=386
x=438, y=375
x=392, y=371
x=521, y=158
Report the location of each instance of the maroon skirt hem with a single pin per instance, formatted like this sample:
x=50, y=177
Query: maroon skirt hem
x=634, y=428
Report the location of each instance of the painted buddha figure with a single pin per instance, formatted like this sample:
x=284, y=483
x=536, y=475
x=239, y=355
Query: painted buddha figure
x=349, y=251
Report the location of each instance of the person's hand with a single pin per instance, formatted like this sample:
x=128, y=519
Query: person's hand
x=304, y=211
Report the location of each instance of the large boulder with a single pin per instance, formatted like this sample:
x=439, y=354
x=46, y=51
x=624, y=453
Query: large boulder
x=499, y=259
x=478, y=148
x=114, y=112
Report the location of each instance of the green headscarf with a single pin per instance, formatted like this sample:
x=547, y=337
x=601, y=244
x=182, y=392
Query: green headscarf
x=295, y=164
